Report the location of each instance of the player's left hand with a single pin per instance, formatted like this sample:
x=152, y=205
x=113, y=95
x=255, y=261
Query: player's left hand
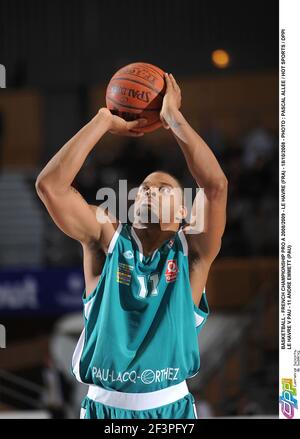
x=171, y=101
x=117, y=125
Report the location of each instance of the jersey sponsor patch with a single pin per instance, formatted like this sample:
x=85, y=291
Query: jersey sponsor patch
x=124, y=273
x=146, y=376
x=170, y=243
x=171, y=271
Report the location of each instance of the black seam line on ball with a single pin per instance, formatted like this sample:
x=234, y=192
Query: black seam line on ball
x=138, y=82
x=130, y=106
x=153, y=69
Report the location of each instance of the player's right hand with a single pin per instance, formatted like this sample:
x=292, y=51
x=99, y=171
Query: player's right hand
x=171, y=102
x=119, y=126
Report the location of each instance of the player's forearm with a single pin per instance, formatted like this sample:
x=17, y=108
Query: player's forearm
x=61, y=170
x=201, y=161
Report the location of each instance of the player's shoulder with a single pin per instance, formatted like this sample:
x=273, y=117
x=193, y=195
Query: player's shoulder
x=104, y=217
x=110, y=226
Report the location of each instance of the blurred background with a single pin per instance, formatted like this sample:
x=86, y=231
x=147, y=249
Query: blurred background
x=59, y=56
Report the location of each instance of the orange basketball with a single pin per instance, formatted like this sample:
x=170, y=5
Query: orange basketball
x=135, y=91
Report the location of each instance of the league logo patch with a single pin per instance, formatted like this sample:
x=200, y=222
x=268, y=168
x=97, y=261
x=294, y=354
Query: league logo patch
x=128, y=254
x=171, y=271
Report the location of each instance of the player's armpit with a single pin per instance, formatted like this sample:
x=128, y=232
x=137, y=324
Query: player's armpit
x=199, y=270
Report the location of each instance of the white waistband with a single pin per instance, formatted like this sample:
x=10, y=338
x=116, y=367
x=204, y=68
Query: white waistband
x=138, y=401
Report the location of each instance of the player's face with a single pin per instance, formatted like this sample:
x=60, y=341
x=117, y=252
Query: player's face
x=159, y=199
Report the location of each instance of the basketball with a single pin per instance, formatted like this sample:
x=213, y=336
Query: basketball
x=137, y=91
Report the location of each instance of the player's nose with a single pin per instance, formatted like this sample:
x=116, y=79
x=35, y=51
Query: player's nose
x=152, y=192
x=149, y=191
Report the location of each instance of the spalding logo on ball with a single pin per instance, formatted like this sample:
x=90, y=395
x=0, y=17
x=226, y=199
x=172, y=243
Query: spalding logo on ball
x=135, y=91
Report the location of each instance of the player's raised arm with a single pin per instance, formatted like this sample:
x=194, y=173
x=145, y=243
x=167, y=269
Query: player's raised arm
x=65, y=205
x=205, y=169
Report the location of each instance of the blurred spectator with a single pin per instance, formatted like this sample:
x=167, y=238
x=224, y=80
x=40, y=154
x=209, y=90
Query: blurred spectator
x=258, y=144
x=204, y=409
x=213, y=136
x=57, y=392
x=247, y=406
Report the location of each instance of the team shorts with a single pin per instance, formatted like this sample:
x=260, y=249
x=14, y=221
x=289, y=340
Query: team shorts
x=174, y=402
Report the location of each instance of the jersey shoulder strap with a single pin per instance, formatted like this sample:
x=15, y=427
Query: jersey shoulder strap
x=115, y=237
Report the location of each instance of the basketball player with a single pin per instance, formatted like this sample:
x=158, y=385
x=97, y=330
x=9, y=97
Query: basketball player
x=144, y=307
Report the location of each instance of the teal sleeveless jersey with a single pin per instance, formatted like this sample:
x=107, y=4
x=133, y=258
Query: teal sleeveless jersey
x=141, y=325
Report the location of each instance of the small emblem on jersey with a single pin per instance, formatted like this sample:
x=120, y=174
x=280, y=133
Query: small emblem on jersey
x=171, y=271
x=170, y=243
x=124, y=273
x=128, y=254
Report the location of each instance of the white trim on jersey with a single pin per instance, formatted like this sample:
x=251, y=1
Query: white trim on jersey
x=114, y=238
x=87, y=307
x=138, y=401
x=183, y=240
x=77, y=355
x=198, y=319
x=138, y=242
x=195, y=411
x=154, y=253
x=82, y=413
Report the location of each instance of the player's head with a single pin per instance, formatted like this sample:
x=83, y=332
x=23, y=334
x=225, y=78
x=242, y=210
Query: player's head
x=160, y=200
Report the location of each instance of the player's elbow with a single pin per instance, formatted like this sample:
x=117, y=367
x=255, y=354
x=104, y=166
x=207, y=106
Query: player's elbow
x=42, y=187
x=221, y=184
x=218, y=188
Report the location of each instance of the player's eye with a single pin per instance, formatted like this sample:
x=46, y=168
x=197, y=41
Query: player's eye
x=165, y=190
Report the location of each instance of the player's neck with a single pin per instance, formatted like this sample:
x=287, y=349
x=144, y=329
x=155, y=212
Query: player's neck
x=153, y=235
